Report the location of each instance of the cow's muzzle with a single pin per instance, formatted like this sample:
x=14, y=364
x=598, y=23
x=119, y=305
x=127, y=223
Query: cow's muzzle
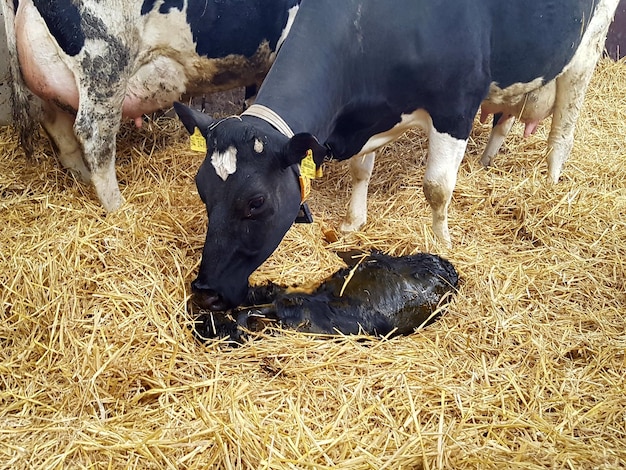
x=207, y=299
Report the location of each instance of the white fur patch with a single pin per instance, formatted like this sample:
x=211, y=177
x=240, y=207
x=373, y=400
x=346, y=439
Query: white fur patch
x=511, y=93
x=225, y=163
x=418, y=118
x=361, y=170
x=445, y=154
x=292, y=16
x=258, y=146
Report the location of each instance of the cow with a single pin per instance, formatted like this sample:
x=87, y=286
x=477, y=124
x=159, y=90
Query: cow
x=353, y=76
x=93, y=63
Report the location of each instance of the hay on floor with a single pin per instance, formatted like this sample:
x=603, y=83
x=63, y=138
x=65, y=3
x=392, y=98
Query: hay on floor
x=98, y=368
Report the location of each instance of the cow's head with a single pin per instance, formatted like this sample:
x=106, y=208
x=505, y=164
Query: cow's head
x=249, y=182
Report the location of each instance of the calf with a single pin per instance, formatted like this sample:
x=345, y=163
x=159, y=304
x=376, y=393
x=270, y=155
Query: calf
x=376, y=294
x=93, y=63
x=353, y=76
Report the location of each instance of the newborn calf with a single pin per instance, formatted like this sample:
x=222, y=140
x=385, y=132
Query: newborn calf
x=376, y=294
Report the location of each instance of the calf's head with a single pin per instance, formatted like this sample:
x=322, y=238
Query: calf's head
x=249, y=183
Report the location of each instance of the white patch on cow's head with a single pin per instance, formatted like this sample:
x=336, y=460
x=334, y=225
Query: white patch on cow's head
x=225, y=163
x=258, y=146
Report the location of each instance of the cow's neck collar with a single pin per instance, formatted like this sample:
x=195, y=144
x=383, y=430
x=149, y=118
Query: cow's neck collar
x=270, y=116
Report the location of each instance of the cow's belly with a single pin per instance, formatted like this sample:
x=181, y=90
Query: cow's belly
x=154, y=86
x=168, y=66
x=161, y=81
x=43, y=68
x=51, y=75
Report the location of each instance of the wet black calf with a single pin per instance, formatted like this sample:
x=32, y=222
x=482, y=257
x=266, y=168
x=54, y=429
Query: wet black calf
x=376, y=294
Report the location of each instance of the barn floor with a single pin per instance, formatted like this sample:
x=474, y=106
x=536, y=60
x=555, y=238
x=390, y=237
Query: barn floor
x=526, y=369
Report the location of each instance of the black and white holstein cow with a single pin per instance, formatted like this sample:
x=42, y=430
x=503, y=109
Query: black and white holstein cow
x=353, y=76
x=94, y=61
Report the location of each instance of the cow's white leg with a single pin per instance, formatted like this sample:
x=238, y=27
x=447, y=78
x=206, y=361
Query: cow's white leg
x=59, y=126
x=496, y=138
x=570, y=94
x=445, y=154
x=96, y=128
x=361, y=171
x=86, y=146
x=572, y=85
x=105, y=183
x=561, y=139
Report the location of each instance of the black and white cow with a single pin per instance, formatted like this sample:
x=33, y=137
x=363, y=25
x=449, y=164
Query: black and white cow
x=354, y=75
x=92, y=62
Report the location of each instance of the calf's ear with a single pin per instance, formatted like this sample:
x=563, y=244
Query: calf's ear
x=298, y=146
x=192, y=118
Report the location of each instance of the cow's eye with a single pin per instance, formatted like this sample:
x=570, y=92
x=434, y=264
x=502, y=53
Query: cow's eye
x=254, y=206
x=258, y=207
x=256, y=203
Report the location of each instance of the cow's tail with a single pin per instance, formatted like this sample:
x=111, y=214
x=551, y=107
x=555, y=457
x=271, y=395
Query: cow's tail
x=26, y=107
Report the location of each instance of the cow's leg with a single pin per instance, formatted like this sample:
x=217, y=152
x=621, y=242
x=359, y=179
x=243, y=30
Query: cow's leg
x=86, y=145
x=572, y=85
x=445, y=154
x=59, y=126
x=96, y=128
x=361, y=171
x=25, y=106
x=501, y=127
x=570, y=94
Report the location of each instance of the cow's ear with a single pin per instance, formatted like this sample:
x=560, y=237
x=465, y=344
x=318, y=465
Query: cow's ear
x=298, y=146
x=192, y=118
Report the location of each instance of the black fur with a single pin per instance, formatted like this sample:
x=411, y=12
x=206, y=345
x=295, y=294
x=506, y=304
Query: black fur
x=64, y=22
x=376, y=294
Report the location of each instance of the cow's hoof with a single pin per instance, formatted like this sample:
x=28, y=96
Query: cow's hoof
x=442, y=235
x=348, y=226
x=486, y=161
x=111, y=202
x=107, y=190
x=82, y=175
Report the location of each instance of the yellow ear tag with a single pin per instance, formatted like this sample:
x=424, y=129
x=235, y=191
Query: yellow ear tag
x=197, y=142
x=308, y=172
x=307, y=165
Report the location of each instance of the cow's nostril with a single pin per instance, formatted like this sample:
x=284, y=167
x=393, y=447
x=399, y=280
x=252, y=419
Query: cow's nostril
x=207, y=299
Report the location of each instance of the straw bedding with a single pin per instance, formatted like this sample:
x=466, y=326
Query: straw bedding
x=526, y=369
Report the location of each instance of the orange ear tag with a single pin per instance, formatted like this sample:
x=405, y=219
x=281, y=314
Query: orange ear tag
x=197, y=142
x=305, y=188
